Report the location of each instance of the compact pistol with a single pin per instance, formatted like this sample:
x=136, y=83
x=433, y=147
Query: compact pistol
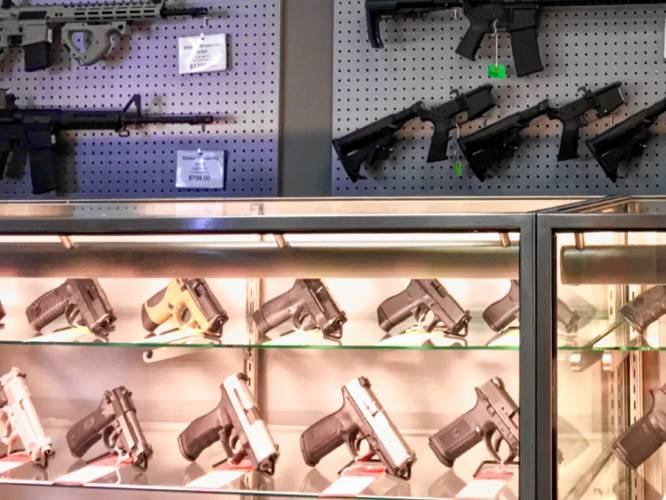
x=20, y=419
x=237, y=424
x=361, y=418
x=494, y=418
x=116, y=423
x=190, y=303
x=636, y=444
x=82, y=301
x=308, y=304
x=420, y=298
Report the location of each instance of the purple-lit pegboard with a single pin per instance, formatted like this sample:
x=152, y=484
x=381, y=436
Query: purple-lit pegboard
x=103, y=165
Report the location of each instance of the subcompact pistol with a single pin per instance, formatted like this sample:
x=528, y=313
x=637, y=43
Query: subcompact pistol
x=636, y=444
x=420, y=298
x=82, y=301
x=308, y=304
x=494, y=418
x=190, y=303
x=20, y=419
x=361, y=418
x=501, y=313
x=237, y=424
x=116, y=423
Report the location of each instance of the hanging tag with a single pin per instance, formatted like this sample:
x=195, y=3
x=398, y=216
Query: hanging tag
x=354, y=479
x=202, y=54
x=497, y=70
x=221, y=476
x=97, y=469
x=13, y=461
x=200, y=169
x=457, y=168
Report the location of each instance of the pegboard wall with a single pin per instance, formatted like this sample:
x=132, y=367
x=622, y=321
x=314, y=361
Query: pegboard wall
x=145, y=62
x=590, y=46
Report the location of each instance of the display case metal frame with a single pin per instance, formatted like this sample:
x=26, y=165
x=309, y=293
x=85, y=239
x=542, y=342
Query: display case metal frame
x=125, y=218
x=579, y=217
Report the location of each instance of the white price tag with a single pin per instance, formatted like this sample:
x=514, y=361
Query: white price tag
x=200, y=169
x=202, y=54
x=13, y=461
x=216, y=479
x=354, y=480
x=93, y=471
x=482, y=489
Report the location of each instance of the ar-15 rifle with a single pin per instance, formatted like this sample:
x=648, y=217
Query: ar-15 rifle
x=33, y=27
x=625, y=140
x=488, y=146
x=373, y=143
x=517, y=17
x=34, y=132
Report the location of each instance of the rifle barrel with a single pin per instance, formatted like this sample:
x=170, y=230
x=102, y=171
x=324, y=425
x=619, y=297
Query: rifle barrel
x=184, y=11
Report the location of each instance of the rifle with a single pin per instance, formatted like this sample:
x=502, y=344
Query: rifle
x=34, y=132
x=373, y=143
x=32, y=27
x=626, y=140
x=489, y=145
x=517, y=17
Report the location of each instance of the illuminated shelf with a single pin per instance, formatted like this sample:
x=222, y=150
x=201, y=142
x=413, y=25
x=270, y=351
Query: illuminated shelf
x=169, y=471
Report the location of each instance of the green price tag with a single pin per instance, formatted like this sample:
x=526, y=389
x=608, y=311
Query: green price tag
x=497, y=71
x=457, y=168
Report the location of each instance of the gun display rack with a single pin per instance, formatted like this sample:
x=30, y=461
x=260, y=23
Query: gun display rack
x=143, y=165
x=579, y=46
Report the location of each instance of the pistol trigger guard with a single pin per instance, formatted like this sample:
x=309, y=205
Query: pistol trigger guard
x=493, y=446
x=73, y=315
x=354, y=444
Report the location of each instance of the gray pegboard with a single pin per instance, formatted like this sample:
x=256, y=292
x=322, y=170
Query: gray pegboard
x=103, y=165
x=579, y=46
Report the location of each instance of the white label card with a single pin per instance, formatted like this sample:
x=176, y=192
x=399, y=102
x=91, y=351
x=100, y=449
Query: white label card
x=13, y=461
x=93, y=471
x=354, y=480
x=200, y=169
x=202, y=53
x=216, y=479
x=482, y=489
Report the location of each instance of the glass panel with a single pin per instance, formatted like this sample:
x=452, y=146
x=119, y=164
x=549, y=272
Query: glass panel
x=653, y=205
x=610, y=364
x=426, y=317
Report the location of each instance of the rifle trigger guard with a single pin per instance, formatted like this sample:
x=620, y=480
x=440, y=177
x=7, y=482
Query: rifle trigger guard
x=135, y=102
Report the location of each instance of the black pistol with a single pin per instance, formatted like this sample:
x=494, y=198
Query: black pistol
x=494, y=418
x=115, y=422
x=419, y=298
x=308, y=304
x=82, y=301
x=501, y=313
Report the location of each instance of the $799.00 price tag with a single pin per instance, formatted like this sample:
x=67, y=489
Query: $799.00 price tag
x=200, y=169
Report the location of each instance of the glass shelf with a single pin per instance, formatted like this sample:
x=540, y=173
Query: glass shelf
x=169, y=471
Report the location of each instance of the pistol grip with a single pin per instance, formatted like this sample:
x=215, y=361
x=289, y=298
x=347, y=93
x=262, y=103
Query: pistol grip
x=86, y=432
x=455, y=439
x=47, y=308
x=322, y=437
x=645, y=309
x=471, y=41
x=569, y=141
x=636, y=444
x=155, y=311
x=200, y=434
x=501, y=313
x=394, y=310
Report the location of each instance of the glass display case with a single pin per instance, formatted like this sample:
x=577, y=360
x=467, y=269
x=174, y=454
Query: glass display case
x=601, y=402
x=130, y=321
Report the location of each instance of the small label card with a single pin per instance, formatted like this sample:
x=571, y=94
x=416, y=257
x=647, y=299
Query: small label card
x=202, y=53
x=222, y=476
x=13, y=461
x=200, y=169
x=354, y=479
x=97, y=469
